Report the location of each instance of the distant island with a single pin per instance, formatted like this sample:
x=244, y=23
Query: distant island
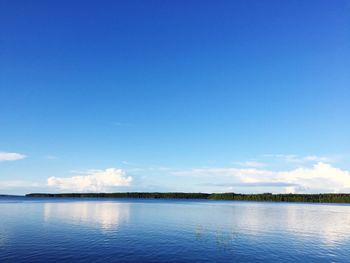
x=2, y=195
x=267, y=197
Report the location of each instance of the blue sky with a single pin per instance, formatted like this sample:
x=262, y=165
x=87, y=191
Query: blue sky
x=244, y=96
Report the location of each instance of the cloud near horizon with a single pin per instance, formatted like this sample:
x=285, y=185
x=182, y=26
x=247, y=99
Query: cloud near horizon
x=18, y=184
x=297, y=159
x=11, y=156
x=94, y=181
x=320, y=177
x=251, y=164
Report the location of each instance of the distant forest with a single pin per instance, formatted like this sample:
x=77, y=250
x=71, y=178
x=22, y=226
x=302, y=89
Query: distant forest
x=267, y=197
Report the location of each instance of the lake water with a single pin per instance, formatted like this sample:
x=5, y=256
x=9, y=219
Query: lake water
x=127, y=230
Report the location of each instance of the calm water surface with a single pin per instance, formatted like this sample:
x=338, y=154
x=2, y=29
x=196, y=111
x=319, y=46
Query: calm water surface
x=126, y=230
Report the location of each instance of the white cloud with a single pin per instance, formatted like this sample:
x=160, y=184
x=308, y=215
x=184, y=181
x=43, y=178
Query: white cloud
x=252, y=164
x=297, y=159
x=314, y=158
x=8, y=156
x=226, y=172
x=94, y=181
x=321, y=177
x=17, y=184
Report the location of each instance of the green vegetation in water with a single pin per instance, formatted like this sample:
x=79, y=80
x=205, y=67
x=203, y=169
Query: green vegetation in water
x=268, y=197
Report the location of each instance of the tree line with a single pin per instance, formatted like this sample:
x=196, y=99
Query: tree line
x=267, y=197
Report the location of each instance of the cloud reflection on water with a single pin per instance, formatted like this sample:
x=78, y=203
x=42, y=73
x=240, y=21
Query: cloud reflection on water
x=106, y=215
x=330, y=223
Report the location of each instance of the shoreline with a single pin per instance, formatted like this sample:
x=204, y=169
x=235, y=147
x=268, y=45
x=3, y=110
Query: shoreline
x=266, y=197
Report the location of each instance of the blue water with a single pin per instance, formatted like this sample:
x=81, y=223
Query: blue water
x=126, y=230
